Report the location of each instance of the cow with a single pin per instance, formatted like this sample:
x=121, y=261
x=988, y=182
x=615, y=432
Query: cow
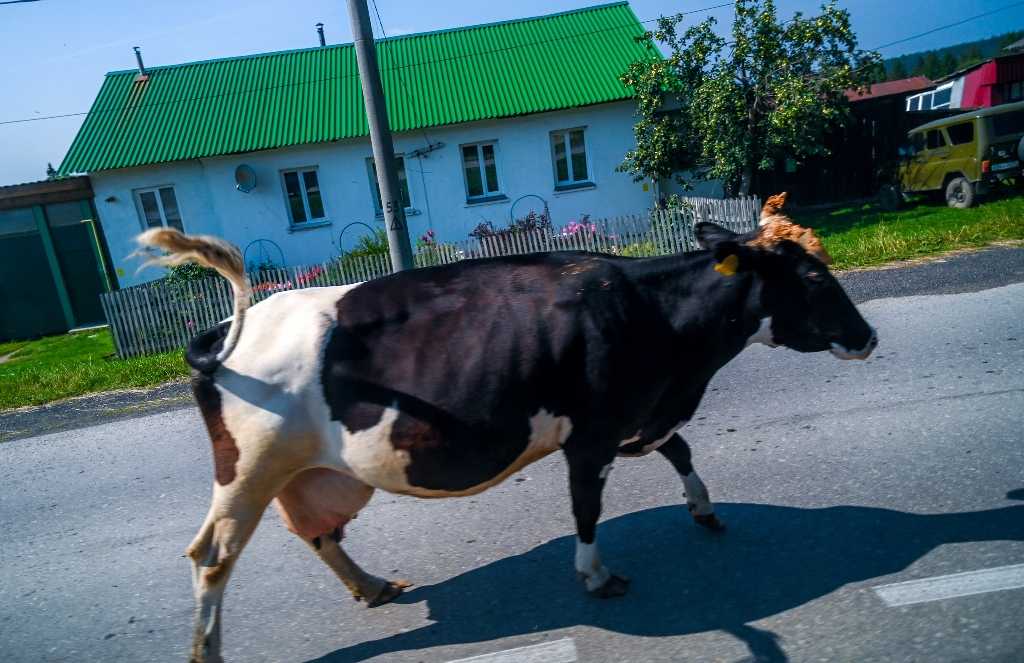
x=444, y=381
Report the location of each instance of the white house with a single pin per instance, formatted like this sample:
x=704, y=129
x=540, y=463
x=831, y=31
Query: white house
x=490, y=122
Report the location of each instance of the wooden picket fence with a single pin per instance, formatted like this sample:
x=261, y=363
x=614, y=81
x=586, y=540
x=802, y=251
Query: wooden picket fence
x=164, y=315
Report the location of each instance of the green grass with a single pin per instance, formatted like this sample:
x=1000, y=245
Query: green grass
x=864, y=236
x=56, y=367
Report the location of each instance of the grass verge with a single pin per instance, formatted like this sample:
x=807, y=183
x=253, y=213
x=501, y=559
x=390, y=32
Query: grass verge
x=864, y=236
x=55, y=367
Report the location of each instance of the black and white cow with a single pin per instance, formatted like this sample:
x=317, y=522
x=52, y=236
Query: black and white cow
x=442, y=382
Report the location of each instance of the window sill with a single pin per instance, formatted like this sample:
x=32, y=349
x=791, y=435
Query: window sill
x=486, y=200
x=576, y=186
x=308, y=225
x=409, y=211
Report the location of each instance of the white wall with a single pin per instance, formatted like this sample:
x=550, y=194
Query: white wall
x=210, y=203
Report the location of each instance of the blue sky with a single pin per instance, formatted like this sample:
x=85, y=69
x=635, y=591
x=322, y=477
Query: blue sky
x=54, y=53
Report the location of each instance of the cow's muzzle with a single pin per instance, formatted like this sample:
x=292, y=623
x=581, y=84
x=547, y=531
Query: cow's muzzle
x=841, y=351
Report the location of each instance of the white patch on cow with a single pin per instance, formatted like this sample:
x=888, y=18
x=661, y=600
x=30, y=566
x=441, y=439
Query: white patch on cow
x=763, y=335
x=605, y=471
x=843, y=353
x=588, y=565
x=697, y=495
x=649, y=447
x=635, y=438
x=370, y=456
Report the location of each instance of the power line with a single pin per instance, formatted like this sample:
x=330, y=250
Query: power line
x=16, y=2
x=459, y=56
x=948, y=25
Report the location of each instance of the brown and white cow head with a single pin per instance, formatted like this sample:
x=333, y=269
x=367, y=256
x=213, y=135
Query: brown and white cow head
x=804, y=306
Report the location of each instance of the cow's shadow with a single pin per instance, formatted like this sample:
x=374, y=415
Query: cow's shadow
x=687, y=580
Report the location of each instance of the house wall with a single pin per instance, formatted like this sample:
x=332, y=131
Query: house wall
x=209, y=202
x=978, y=86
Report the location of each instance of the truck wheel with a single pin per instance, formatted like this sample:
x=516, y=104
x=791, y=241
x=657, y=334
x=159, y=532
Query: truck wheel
x=889, y=197
x=960, y=193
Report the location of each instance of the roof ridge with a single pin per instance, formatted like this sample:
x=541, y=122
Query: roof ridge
x=411, y=35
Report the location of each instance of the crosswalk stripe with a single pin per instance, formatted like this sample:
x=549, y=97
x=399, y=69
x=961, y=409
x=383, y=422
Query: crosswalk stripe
x=951, y=586
x=557, y=651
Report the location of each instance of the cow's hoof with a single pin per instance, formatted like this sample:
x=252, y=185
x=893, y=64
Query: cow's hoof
x=709, y=521
x=612, y=587
x=388, y=593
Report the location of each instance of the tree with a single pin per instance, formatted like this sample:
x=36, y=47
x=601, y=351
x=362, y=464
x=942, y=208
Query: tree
x=728, y=110
x=948, y=64
x=971, y=57
x=931, y=66
x=898, y=70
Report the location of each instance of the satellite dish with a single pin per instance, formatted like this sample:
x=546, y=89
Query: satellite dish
x=245, y=178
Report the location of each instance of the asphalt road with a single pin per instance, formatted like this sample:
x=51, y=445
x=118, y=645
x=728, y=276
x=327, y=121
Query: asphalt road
x=834, y=478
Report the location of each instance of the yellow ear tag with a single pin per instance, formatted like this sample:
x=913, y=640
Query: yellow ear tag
x=728, y=266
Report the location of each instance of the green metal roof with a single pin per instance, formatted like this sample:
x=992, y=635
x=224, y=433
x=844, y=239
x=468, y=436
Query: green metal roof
x=271, y=100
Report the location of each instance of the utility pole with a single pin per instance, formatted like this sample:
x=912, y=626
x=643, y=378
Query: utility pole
x=380, y=137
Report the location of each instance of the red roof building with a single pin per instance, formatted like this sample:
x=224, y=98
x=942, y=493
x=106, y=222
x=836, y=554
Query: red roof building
x=889, y=88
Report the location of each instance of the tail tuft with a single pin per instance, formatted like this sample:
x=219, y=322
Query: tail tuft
x=212, y=252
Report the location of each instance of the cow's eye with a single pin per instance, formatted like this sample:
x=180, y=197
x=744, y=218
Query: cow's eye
x=815, y=277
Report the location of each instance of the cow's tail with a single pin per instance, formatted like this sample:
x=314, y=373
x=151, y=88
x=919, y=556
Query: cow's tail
x=214, y=253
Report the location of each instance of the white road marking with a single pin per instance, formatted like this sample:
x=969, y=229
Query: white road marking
x=947, y=587
x=559, y=651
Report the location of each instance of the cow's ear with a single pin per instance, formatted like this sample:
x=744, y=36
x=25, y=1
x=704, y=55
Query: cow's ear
x=710, y=235
x=732, y=257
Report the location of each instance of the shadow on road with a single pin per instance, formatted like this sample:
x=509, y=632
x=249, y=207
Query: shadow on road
x=686, y=580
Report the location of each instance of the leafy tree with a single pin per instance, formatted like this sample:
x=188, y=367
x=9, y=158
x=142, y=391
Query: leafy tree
x=898, y=70
x=971, y=57
x=726, y=110
x=949, y=63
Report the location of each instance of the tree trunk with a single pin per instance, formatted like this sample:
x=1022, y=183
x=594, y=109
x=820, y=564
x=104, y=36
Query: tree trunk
x=746, y=180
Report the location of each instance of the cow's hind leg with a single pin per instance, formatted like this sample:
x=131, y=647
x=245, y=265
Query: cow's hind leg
x=315, y=505
x=233, y=517
x=587, y=474
x=677, y=451
x=363, y=586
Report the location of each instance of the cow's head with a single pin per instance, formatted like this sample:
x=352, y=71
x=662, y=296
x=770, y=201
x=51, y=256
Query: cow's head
x=808, y=310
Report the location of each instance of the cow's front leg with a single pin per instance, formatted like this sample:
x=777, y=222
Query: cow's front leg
x=363, y=586
x=586, y=482
x=697, y=499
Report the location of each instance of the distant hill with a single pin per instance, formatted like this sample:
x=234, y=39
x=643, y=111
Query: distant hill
x=942, y=61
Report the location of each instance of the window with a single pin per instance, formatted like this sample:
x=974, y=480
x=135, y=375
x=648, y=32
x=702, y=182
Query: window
x=935, y=139
x=302, y=192
x=1005, y=124
x=481, y=171
x=961, y=133
x=159, y=207
x=569, y=154
x=403, y=184
x=17, y=221
x=942, y=97
x=64, y=214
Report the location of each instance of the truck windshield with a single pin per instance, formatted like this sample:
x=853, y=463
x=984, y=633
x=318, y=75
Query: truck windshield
x=1007, y=123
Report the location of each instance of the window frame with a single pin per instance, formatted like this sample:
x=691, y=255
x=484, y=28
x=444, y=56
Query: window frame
x=375, y=196
x=948, y=87
x=310, y=222
x=571, y=184
x=155, y=190
x=943, y=143
x=486, y=196
x=950, y=133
